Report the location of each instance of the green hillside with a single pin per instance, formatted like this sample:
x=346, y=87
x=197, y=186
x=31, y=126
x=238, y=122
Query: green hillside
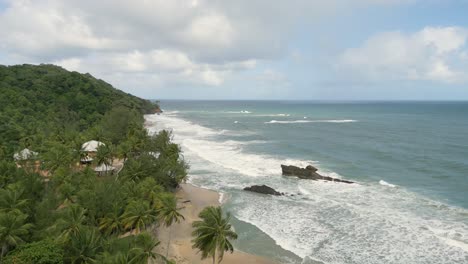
x=38, y=101
x=64, y=204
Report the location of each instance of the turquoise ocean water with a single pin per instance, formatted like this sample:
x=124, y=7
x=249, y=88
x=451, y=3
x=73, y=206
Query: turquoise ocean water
x=409, y=159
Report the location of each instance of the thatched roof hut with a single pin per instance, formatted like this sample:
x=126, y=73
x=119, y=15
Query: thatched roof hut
x=154, y=154
x=104, y=169
x=25, y=154
x=86, y=160
x=91, y=146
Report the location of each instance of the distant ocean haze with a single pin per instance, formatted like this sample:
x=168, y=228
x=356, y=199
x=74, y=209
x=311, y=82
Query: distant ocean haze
x=409, y=159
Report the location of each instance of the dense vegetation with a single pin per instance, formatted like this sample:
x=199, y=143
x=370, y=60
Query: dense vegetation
x=212, y=234
x=43, y=102
x=55, y=210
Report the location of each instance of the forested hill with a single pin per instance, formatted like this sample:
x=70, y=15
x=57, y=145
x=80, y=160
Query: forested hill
x=38, y=101
x=65, y=202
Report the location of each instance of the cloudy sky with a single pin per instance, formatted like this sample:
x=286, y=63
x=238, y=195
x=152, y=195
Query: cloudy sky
x=249, y=49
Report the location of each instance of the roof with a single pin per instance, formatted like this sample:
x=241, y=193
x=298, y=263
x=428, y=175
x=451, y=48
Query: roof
x=103, y=167
x=86, y=159
x=91, y=146
x=25, y=154
x=154, y=154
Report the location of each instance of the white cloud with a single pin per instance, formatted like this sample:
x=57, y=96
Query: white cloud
x=72, y=64
x=271, y=77
x=430, y=54
x=38, y=31
x=444, y=39
x=160, y=43
x=171, y=67
x=210, y=30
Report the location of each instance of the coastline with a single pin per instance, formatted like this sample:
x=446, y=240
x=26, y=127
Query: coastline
x=180, y=247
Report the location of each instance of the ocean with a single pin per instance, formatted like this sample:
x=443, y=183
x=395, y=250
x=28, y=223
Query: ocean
x=409, y=161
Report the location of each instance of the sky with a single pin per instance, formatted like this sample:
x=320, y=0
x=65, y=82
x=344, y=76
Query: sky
x=249, y=49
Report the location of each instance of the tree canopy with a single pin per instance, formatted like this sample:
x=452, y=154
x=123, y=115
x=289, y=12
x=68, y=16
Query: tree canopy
x=53, y=208
x=37, y=102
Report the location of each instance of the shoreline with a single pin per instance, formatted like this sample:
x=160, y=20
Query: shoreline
x=193, y=199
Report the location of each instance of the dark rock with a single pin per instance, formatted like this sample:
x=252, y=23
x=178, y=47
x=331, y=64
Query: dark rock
x=262, y=189
x=157, y=111
x=311, y=168
x=310, y=173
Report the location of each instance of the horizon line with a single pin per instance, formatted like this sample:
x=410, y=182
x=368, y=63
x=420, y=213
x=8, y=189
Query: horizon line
x=317, y=100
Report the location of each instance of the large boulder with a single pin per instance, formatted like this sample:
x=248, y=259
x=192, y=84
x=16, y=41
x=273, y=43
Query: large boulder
x=157, y=110
x=262, y=189
x=309, y=172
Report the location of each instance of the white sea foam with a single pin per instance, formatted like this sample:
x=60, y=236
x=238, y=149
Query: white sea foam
x=171, y=112
x=221, y=198
x=309, y=121
x=239, y=112
x=330, y=222
x=384, y=183
x=273, y=115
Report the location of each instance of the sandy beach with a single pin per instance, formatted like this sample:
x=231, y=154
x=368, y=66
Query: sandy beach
x=193, y=200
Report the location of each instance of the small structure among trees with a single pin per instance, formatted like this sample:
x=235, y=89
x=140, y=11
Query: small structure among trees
x=89, y=150
x=104, y=169
x=27, y=159
x=91, y=147
x=25, y=154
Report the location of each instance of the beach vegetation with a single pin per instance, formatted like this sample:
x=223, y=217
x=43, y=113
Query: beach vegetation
x=213, y=233
x=168, y=213
x=56, y=209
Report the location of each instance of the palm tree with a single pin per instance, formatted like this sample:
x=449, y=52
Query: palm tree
x=111, y=223
x=84, y=246
x=168, y=213
x=10, y=199
x=67, y=190
x=124, y=150
x=13, y=228
x=143, y=252
x=57, y=155
x=118, y=258
x=149, y=190
x=71, y=222
x=138, y=215
x=212, y=233
x=104, y=155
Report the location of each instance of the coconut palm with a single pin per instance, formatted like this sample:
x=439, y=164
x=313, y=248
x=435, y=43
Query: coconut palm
x=143, y=252
x=13, y=228
x=118, y=258
x=84, y=246
x=104, y=155
x=213, y=233
x=10, y=199
x=111, y=223
x=71, y=222
x=56, y=156
x=137, y=216
x=149, y=190
x=124, y=150
x=168, y=213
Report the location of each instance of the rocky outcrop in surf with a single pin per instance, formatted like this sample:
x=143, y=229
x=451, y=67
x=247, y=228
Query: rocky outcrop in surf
x=262, y=189
x=157, y=110
x=309, y=172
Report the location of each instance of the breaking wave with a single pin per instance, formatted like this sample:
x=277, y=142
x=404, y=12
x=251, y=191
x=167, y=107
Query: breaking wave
x=384, y=183
x=310, y=121
x=327, y=222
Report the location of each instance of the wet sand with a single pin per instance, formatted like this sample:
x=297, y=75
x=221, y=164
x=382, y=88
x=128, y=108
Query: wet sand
x=180, y=248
